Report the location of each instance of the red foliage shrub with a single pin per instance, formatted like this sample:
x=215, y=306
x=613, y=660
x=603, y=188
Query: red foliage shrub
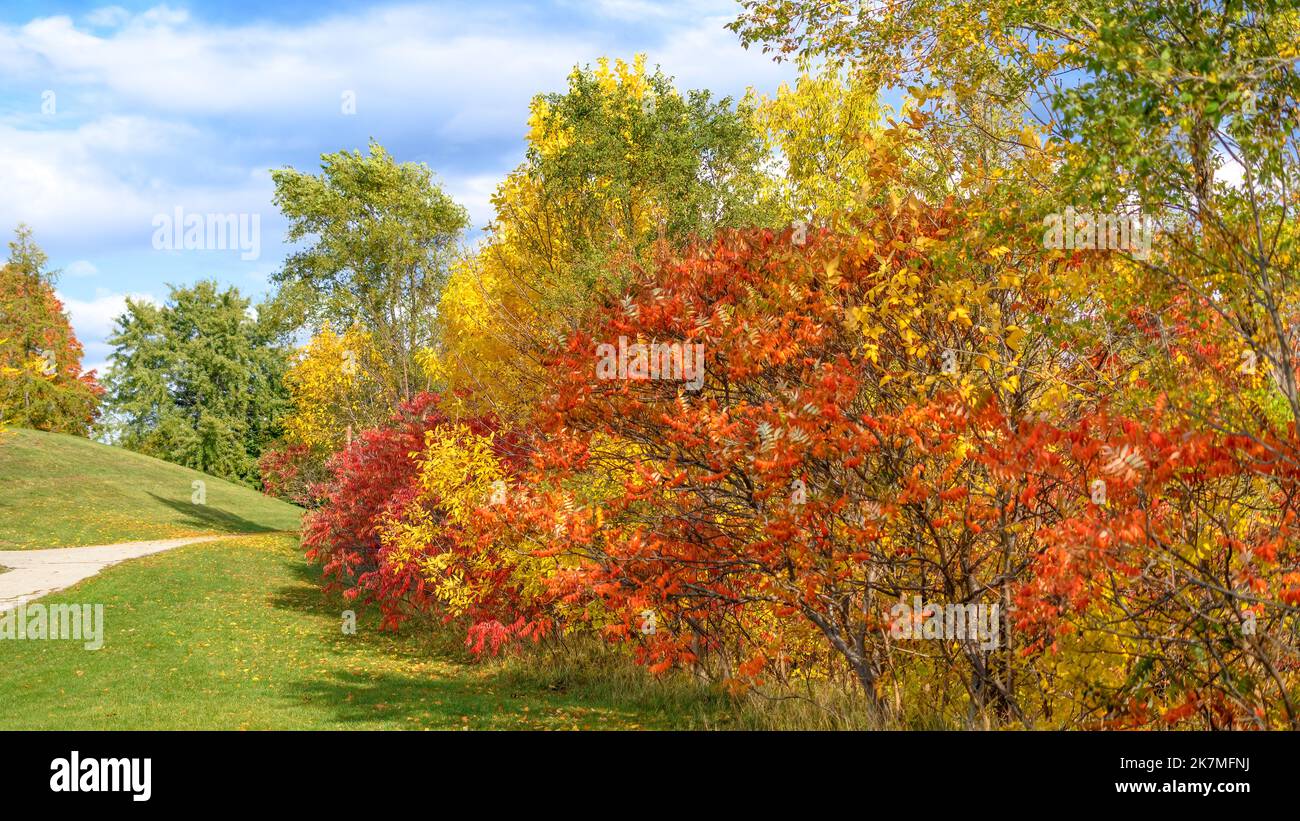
x=290, y=472
x=375, y=478
x=367, y=480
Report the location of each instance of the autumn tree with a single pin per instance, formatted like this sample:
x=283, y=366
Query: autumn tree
x=1179, y=118
x=392, y=524
x=1181, y=115
x=837, y=458
x=367, y=480
x=496, y=593
x=337, y=388
x=42, y=384
x=731, y=385
x=618, y=162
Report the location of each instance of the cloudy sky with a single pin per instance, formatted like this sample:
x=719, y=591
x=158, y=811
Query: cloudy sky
x=113, y=115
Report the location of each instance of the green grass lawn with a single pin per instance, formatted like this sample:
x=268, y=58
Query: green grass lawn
x=236, y=634
x=63, y=491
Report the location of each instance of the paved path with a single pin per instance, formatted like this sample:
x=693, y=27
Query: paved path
x=36, y=573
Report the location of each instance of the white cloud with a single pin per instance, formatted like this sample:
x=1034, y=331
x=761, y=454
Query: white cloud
x=93, y=318
x=479, y=66
x=395, y=58
x=475, y=194
x=108, y=17
x=705, y=54
x=97, y=184
x=92, y=322
x=642, y=10
x=95, y=358
x=81, y=268
x=54, y=179
x=161, y=109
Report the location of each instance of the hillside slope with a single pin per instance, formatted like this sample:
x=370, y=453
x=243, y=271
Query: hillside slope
x=63, y=491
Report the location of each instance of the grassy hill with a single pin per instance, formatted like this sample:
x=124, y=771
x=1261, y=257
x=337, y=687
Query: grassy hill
x=64, y=491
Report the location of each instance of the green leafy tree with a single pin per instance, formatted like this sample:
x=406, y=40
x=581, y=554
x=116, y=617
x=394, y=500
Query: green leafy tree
x=380, y=236
x=622, y=158
x=198, y=381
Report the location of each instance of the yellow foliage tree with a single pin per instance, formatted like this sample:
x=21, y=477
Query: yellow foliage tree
x=618, y=164
x=336, y=386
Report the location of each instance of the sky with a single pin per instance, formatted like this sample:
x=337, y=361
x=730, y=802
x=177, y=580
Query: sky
x=113, y=117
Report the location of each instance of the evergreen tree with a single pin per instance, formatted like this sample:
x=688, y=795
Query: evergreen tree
x=198, y=381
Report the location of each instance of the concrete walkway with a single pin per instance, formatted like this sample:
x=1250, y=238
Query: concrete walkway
x=36, y=573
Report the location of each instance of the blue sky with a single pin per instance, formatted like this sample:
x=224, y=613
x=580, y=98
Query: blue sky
x=113, y=114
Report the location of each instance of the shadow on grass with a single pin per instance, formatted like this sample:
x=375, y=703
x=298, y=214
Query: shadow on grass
x=436, y=681
x=205, y=516
x=402, y=700
x=451, y=701
x=396, y=699
x=416, y=640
